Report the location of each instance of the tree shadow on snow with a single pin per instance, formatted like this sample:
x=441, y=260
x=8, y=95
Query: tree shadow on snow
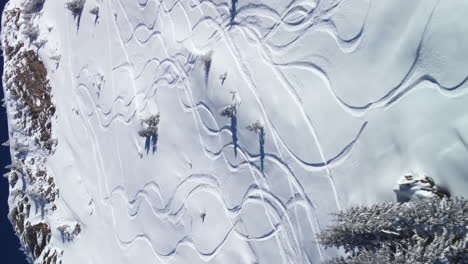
x=261, y=139
x=78, y=20
x=234, y=133
x=151, y=144
x=233, y=13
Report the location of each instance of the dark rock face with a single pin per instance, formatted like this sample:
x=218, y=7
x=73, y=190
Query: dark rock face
x=37, y=237
x=28, y=85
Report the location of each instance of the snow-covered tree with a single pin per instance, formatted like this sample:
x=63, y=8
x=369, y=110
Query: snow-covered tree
x=150, y=126
x=424, y=231
x=229, y=111
x=76, y=7
x=255, y=127
x=95, y=11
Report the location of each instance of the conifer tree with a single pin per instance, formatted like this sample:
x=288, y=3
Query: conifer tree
x=425, y=231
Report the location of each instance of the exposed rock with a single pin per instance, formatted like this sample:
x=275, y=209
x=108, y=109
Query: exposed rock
x=29, y=101
x=37, y=237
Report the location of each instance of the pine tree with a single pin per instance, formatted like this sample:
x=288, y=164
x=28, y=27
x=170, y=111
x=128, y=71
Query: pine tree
x=425, y=231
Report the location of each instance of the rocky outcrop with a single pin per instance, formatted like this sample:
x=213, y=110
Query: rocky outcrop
x=31, y=114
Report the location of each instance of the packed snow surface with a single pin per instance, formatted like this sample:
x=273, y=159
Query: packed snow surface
x=272, y=114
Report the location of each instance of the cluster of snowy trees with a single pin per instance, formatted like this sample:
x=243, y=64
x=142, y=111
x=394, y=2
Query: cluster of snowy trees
x=424, y=231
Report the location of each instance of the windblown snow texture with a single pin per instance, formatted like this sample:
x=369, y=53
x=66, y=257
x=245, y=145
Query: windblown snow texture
x=351, y=94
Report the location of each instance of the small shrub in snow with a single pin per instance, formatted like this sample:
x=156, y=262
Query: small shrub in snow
x=152, y=121
x=255, y=127
x=33, y=6
x=432, y=230
x=150, y=127
x=94, y=11
x=223, y=77
x=148, y=132
x=76, y=7
x=229, y=111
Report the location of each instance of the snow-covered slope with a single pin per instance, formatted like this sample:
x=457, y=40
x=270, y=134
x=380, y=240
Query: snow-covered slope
x=272, y=114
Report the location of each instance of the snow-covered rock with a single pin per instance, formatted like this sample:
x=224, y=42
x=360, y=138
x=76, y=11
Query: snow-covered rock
x=270, y=115
x=410, y=188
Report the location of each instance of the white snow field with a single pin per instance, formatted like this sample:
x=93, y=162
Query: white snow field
x=349, y=96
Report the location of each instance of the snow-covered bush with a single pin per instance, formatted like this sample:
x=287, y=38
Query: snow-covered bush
x=255, y=127
x=76, y=7
x=150, y=127
x=432, y=230
x=411, y=187
x=223, y=77
x=95, y=11
x=229, y=111
x=148, y=132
